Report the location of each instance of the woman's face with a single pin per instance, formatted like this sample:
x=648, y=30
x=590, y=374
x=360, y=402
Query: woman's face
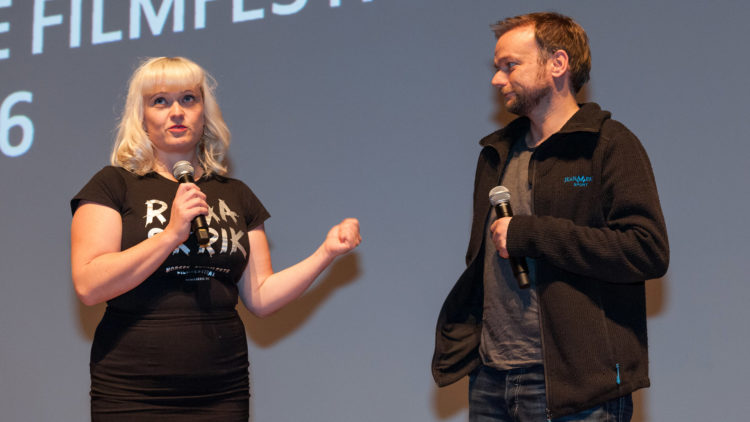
x=173, y=120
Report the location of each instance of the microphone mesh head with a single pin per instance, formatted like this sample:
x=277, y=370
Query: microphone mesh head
x=182, y=167
x=498, y=195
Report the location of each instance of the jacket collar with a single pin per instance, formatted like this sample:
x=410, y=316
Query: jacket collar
x=589, y=118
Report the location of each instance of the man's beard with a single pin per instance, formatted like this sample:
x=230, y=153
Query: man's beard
x=526, y=101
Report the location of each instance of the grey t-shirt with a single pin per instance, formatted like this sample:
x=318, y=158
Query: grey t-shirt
x=510, y=326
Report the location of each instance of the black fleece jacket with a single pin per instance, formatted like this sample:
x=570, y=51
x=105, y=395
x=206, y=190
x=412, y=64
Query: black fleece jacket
x=597, y=233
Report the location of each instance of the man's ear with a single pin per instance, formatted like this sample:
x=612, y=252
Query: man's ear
x=559, y=63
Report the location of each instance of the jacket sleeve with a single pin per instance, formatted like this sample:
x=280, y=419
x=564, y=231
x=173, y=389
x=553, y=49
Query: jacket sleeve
x=630, y=246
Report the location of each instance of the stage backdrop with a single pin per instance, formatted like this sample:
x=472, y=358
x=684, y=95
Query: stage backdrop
x=371, y=109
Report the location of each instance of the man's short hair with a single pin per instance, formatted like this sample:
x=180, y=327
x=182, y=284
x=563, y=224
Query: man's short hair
x=553, y=32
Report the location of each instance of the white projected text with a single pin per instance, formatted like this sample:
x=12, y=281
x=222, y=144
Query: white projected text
x=9, y=121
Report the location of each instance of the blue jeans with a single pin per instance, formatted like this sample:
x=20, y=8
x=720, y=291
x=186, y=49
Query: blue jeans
x=518, y=395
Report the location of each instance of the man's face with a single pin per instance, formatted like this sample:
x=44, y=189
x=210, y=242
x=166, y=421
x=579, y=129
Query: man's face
x=521, y=78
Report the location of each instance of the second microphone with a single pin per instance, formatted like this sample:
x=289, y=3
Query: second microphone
x=183, y=171
x=500, y=200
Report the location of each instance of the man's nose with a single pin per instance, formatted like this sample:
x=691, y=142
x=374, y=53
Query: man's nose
x=499, y=80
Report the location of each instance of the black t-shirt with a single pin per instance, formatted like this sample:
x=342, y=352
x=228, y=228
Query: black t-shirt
x=191, y=278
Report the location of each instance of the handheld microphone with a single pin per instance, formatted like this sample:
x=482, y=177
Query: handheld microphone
x=500, y=199
x=183, y=171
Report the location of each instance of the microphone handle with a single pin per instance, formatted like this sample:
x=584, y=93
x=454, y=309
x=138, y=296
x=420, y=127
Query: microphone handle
x=199, y=226
x=517, y=264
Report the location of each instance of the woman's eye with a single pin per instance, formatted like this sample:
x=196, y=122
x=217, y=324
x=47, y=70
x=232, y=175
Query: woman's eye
x=189, y=98
x=159, y=101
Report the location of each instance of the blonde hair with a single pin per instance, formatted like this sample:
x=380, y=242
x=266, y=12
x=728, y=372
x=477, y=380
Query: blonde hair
x=133, y=149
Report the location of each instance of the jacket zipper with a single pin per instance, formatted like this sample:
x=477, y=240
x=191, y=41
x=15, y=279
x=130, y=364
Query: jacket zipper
x=532, y=183
x=617, y=367
x=531, y=176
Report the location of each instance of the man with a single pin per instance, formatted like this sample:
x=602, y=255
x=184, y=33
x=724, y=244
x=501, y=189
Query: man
x=588, y=222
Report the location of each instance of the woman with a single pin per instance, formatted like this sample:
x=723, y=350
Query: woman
x=170, y=345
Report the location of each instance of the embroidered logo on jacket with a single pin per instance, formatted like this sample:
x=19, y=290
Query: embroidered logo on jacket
x=578, y=181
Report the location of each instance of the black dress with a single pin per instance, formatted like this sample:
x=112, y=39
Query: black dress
x=174, y=348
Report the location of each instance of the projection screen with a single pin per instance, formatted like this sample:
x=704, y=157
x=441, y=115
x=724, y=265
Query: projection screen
x=370, y=109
